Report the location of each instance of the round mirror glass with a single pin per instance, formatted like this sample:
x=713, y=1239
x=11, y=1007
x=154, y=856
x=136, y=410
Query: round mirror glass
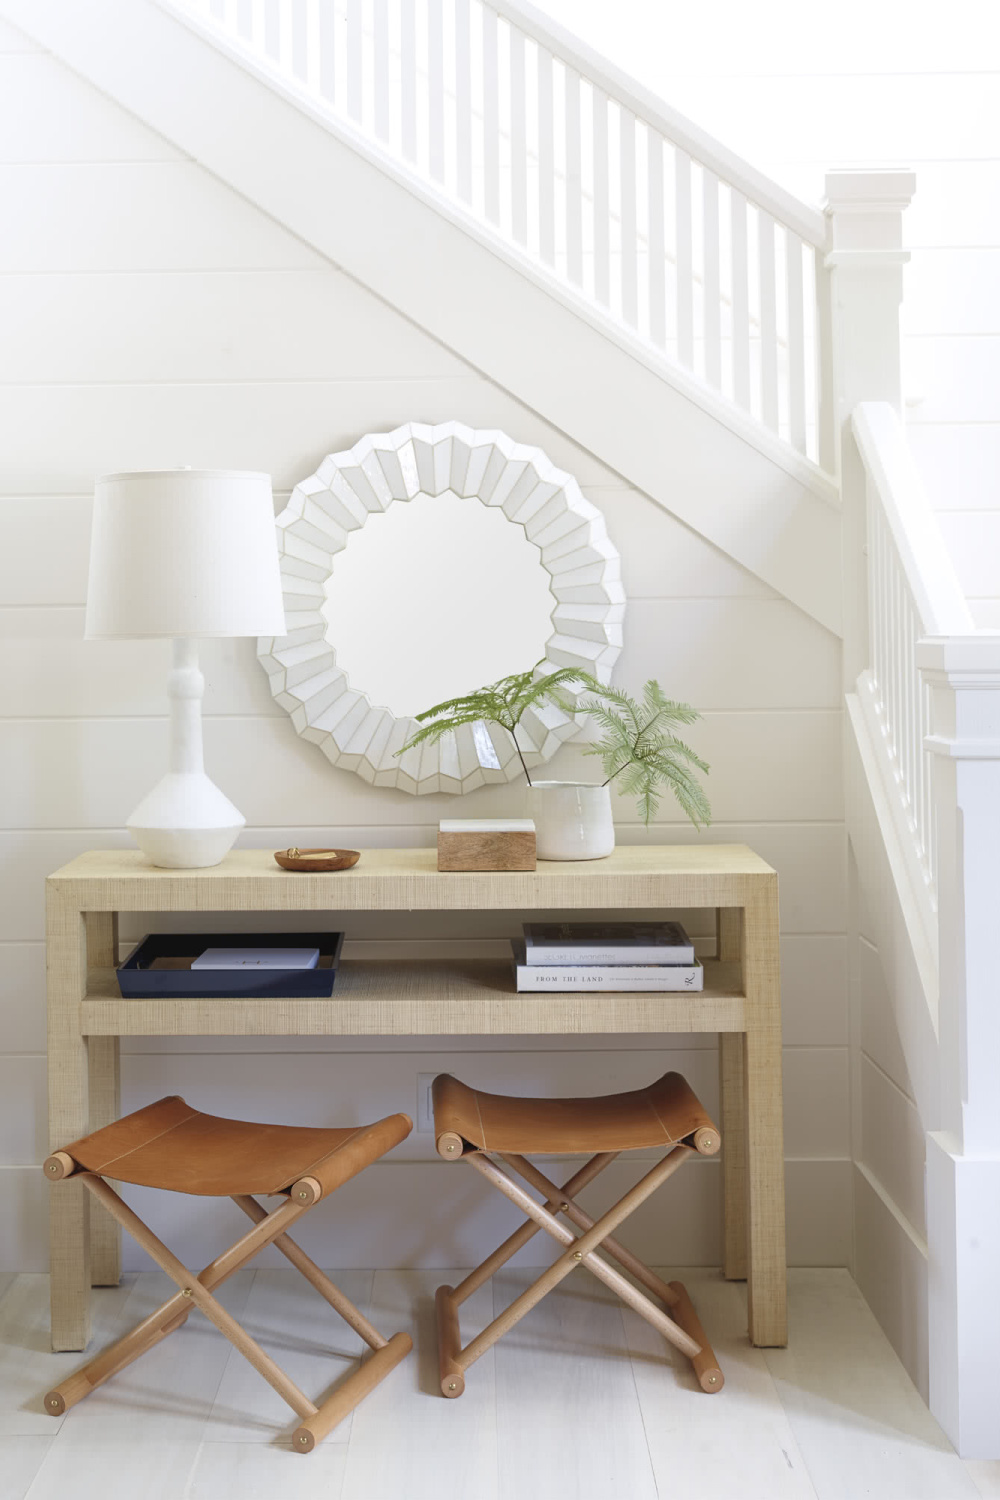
x=434, y=597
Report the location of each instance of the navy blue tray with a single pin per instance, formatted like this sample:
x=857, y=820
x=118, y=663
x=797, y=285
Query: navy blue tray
x=140, y=976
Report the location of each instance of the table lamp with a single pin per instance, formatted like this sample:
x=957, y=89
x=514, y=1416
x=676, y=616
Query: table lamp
x=184, y=553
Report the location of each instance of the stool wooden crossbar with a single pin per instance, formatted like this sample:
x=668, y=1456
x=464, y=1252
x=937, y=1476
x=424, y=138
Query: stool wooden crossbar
x=169, y=1145
x=486, y=1129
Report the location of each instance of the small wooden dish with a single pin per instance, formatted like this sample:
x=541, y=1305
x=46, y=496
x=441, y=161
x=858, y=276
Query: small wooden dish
x=315, y=861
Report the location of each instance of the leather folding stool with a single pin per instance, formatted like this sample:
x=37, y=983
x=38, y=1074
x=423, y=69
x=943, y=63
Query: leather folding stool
x=169, y=1145
x=476, y=1127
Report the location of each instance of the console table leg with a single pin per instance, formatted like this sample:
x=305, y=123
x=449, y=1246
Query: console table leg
x=105, y=1101
x=69, y=1118
x=732, y=1122
x=766, y=1278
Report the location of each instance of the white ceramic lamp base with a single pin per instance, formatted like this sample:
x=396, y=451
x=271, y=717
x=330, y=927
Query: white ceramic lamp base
x=185, y=822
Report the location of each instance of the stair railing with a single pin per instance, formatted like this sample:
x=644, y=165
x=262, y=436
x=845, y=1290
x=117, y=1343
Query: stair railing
x=913, y=595
x=602, y=186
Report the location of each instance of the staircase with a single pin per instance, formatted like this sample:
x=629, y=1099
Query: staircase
x=733, y=354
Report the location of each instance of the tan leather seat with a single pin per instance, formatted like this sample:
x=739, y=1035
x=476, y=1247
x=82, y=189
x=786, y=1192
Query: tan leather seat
x=665, y=1112
x=169, y=1145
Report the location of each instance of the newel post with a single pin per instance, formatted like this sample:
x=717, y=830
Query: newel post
x=864, y=269
x=963, y=1156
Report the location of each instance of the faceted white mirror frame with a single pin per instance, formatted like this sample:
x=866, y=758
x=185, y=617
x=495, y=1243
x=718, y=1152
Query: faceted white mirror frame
x=574, y=549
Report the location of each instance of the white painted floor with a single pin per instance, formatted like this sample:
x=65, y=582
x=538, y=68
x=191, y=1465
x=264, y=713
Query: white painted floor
x=582, y=1401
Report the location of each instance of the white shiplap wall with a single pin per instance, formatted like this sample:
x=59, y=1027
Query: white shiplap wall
x=799, y=89
x=152, y=317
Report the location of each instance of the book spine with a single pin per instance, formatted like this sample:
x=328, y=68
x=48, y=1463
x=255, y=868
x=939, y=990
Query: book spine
x=674, y=977
x=682, y=954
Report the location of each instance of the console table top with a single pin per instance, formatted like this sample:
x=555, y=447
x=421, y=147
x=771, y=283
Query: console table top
x=635, y=875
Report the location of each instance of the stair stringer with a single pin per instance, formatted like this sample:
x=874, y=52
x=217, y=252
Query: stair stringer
x=690, y=451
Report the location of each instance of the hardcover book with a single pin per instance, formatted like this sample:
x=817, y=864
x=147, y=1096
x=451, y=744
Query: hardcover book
x=607, y=943
x=554, y=977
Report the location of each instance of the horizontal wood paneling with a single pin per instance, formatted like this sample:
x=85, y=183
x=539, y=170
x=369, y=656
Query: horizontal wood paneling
x=952, y=291
x=48, y=114
x=785, y=660
x=959, y=461
x=656, y=45
x=973, y=538
x=788, y=663
x=135, y=216
x=326, y=1088
x=663, y=558
x=660, y=556
x=427, y=1214
x=283, y=428
x=892, y=1142
x=165, y=327
x=953, y=378
x=92, y=772
x=22, y=996
x=12, y=40
x=879, y=1035
x=890, y=117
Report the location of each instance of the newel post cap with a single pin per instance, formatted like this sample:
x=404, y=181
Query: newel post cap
x=864, y=212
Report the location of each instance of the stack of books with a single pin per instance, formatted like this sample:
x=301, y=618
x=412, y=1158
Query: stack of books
x=606, y=955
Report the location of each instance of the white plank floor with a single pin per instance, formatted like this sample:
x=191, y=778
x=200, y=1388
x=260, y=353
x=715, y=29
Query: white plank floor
x=581, y=1400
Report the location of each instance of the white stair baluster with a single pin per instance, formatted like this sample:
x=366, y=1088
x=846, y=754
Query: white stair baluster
x=518, y=140
x=684, y=259
x=768, y=321
x=300, y=50
x=574, y=183
x=327, y=44
x=408, y=78
x=380, y=68
x=626, y=157
x=711, y=293
x=435, y=90
x=796, y=345
x=546, y=161
x=741, y=299
x=657, y=255
x=601, y=224
x=355, y=73
x=463, y=102
x=491, y=116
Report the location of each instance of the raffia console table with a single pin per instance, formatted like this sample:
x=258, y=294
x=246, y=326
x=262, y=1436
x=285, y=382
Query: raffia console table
x=740, y=1002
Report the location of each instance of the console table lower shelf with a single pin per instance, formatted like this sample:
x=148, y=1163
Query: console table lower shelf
x=400, y=997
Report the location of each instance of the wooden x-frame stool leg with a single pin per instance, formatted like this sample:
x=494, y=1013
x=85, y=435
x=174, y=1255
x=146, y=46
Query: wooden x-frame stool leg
x=683, y=1329
x=195, y=1291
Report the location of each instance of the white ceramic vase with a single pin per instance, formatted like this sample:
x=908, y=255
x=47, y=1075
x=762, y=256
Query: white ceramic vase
x=572, y=820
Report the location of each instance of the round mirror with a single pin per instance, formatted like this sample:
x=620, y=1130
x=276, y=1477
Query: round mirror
x=422, y=564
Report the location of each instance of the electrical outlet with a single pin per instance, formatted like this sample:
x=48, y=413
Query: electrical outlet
x=425, y=1109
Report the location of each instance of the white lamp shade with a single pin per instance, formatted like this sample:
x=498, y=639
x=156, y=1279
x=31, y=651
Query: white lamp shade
x=184, y=552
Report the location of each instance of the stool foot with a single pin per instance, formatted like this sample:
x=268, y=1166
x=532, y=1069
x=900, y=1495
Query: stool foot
x=347, y=1396
x=449, y=1343
x=705, y=1364
x=111, y=1361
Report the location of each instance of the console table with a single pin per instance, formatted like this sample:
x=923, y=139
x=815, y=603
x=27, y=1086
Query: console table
x=740, y=1002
